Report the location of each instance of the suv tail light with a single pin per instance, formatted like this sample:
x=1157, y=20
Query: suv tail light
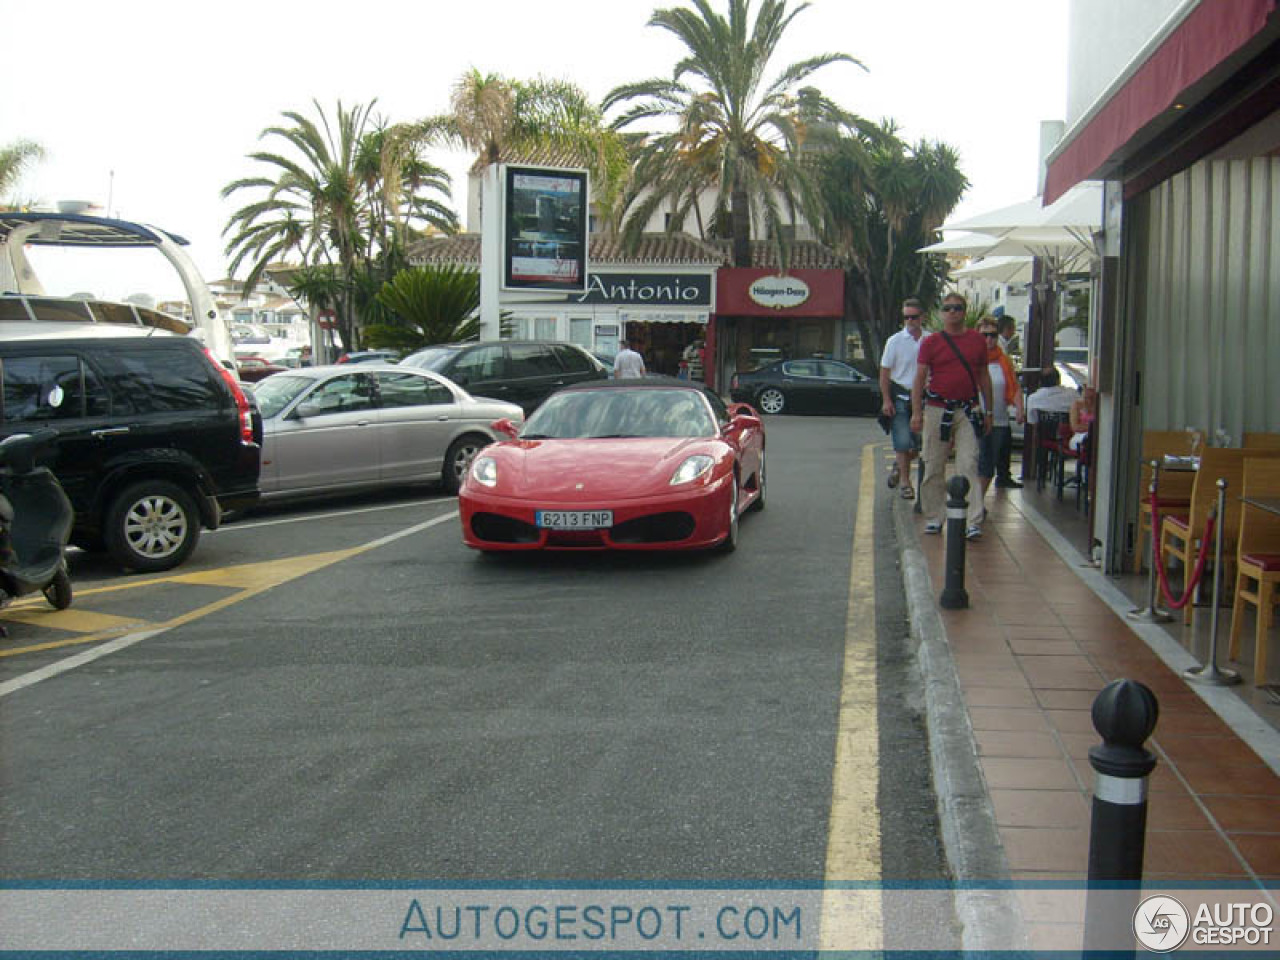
x=243, y=409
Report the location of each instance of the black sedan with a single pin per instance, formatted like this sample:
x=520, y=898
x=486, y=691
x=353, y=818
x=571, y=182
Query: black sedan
x=812, y=385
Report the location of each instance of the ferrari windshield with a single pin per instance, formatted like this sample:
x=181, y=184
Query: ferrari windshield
x=638, y=412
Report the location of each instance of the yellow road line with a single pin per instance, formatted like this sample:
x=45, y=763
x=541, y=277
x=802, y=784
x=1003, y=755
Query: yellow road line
x=251, y=579
x=852, y=918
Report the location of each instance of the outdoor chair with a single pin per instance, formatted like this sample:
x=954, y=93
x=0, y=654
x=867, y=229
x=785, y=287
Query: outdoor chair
x=1175, y=487
x=1053, y=430
x=1180, y=532
x=1257, y=562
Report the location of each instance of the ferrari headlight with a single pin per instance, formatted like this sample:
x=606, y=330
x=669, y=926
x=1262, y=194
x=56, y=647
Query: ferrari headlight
x=692, y=468
x=485, y=470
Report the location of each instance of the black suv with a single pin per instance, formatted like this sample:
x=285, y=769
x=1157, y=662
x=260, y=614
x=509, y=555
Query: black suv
x=155, y=438
x=518, y=371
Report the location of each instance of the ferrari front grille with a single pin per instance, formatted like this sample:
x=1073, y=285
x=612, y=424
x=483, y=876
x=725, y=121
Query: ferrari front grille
x=496, y=528
x=655, y=528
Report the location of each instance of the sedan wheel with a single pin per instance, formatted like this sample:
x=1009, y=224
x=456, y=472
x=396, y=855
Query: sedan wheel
x=772, y=400
x=151, y=526
x=458, y=460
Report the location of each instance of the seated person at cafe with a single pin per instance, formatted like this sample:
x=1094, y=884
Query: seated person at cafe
x=1052, y=397
x=1082, y=414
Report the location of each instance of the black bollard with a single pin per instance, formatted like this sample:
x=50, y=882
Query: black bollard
x=1124, y=714
x=954, y=595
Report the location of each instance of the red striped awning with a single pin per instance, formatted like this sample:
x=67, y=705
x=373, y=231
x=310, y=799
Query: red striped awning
x=1211, y=33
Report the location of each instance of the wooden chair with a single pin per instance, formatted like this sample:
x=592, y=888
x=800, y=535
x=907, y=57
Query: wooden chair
x=1257, y=562
x=1261, y=441
x=1180, y=532
x=1175, y=488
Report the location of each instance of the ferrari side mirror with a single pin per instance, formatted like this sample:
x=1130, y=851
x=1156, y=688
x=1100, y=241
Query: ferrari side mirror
x=505, y=427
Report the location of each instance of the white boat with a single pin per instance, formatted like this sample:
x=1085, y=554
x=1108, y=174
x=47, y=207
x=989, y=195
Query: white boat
x=18, y=277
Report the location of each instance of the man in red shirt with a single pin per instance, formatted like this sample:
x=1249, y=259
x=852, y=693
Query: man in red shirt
x=951, y=407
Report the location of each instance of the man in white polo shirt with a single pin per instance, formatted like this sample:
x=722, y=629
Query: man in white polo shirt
x=897, y=374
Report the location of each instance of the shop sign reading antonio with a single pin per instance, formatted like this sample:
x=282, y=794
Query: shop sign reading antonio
x=648, y=289
x=779, y=293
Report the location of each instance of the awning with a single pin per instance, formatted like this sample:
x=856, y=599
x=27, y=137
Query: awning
x=1209, y=34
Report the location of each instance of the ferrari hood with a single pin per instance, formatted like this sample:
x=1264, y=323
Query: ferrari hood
x=591, y=469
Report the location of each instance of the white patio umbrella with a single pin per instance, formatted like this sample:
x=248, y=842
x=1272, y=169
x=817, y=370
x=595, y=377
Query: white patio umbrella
x=972, y=243
x=1011, y=270
x=1078, y=210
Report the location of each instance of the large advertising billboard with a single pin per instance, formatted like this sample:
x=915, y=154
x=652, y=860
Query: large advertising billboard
x=545, y=229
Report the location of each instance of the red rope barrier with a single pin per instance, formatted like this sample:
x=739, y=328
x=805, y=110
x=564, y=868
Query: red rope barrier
x=1194, y=580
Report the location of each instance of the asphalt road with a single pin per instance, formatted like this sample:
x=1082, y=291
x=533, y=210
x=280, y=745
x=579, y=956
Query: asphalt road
x=345, y=692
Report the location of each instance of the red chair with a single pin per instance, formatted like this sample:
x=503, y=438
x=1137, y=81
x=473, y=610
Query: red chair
x=1053, y=431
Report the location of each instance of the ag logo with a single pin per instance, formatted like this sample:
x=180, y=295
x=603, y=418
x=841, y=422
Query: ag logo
x=1161, y=924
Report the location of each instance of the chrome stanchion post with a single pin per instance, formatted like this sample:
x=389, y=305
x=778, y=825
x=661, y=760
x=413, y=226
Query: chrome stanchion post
x=1152, y=613
x=1209, y=673
x=1124, y=714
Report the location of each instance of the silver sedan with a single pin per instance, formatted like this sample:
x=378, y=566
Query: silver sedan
x=337, y=429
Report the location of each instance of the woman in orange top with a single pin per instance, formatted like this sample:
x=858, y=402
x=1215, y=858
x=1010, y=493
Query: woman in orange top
x=1007, y=397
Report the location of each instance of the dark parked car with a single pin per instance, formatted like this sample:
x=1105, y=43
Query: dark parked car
x=518, y=371
x=155, y=438
x=812, y=385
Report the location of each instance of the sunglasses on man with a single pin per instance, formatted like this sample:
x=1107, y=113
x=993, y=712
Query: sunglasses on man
x=953, y=308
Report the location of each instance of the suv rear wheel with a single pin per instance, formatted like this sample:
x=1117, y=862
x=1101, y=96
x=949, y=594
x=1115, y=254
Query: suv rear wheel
x=152, y=525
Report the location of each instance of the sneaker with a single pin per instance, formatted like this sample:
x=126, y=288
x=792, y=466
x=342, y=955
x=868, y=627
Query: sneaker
x=894, y=477
x=907, y=492
x=973, y=533
x=933, y=527
x=1008, y=483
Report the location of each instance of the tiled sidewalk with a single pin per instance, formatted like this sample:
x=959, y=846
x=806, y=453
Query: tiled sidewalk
x=1032, y=651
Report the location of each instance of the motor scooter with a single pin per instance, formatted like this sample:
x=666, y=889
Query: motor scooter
x=35, y=522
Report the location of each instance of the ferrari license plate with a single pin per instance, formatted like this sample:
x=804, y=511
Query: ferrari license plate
x=574, y=519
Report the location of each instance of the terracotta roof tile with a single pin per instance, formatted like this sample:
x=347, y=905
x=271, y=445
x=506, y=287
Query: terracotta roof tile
x=801, y=254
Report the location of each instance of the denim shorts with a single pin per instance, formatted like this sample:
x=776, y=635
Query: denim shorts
x=903, y=438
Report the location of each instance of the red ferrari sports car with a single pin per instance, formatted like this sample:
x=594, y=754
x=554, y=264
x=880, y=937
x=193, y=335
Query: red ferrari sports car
x=652, y=464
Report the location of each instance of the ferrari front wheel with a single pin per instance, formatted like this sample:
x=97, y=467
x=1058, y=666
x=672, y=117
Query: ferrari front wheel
x=771, y=400
x=758, y=503
x=730, y=541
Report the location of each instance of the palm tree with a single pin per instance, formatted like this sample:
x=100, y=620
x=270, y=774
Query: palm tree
x=500, y=119
x=734, y=130
x=14, y=160
x=435, y=304
x=342, y=195
x=883, y=201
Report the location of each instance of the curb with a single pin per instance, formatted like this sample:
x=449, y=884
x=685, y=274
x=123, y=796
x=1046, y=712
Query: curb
x=985, y=905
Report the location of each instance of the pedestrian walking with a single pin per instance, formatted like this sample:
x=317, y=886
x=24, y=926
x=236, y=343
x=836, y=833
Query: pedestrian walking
x=951, y=409
x=629, y=364
x=897, y=374
x=993, y=454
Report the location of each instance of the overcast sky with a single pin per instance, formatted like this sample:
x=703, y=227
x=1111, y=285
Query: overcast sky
x=170, y=97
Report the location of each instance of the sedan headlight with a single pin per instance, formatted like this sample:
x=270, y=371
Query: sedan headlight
x=484, y=470
x=692, y=468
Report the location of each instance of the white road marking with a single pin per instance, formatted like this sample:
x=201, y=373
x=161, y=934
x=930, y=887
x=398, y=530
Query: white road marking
x=231, y=528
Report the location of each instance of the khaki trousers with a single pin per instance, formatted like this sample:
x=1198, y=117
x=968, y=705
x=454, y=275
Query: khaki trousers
x=933, y=494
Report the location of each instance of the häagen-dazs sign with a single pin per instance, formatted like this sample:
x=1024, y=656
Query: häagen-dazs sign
x=779, y=293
